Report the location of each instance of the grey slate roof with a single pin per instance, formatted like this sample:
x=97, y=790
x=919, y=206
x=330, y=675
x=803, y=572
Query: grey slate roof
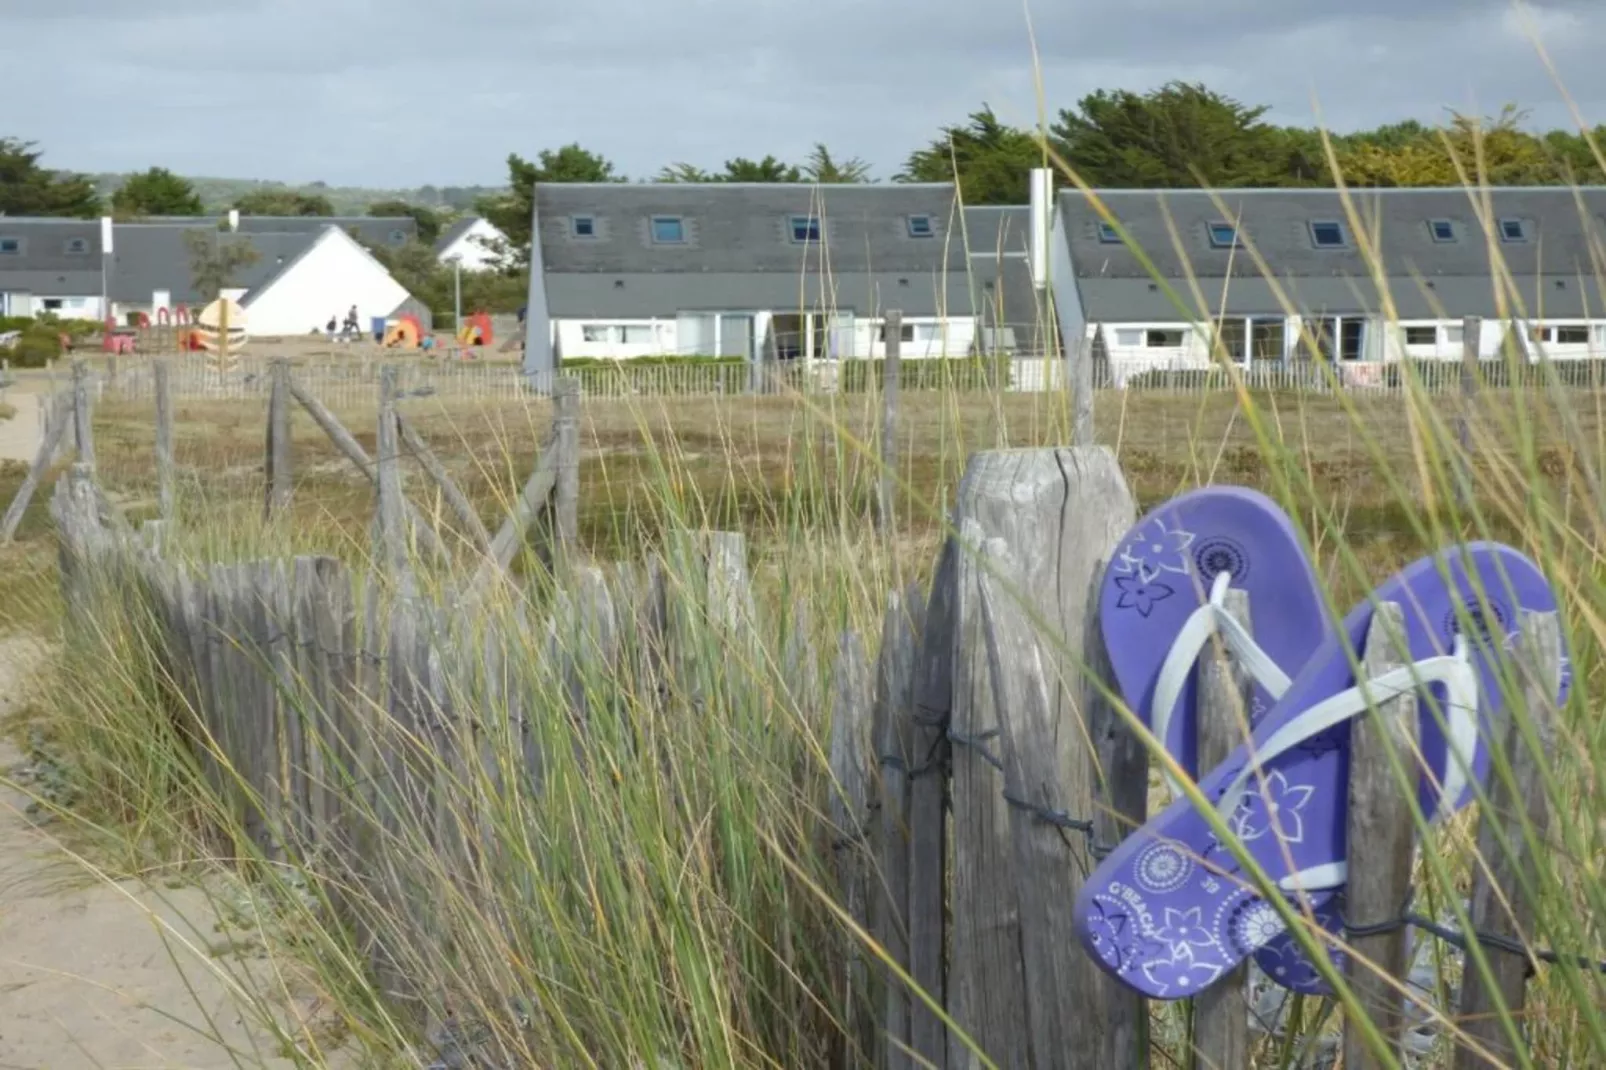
x=738, y=254
x=453, y=232
x=372, y=230
x=991, y=229
x=1427, y=279
x=146, y=257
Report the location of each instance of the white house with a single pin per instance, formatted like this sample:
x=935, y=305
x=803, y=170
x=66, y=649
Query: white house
x=294, y=283
x=475, y=242
x=1314, y=287
x=765, y=271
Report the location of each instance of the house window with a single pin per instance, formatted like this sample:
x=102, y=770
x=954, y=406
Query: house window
x=1223, y=236
x=398, y=237
x=637, y=334
x=1513, y=230
x=10, y=246
x=1163, y=338
x=1421, y=336
x=668, y=230
x=1327, y=234
x=1442, y=230
x=805, y=228
x=52, y=304
x=1454, y=335
x=906, y=332
x=1107, y=234
x=583, y=226
x=77, y=245
x=596, y=332
x=920, y=226
x=1573, y=334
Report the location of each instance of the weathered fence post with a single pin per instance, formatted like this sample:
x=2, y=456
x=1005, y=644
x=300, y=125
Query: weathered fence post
x=1059, y=514
x=887, y=488
x=1381, y=839
x=928, y=811
x=83, y=433
x=1504, y=845
x=389, y=516
x=278, y=446
x=566, y=440
x=1221, y=1012
x=850, y=796
x=55, y=421
x=164, y=440
x=893, y=731
x=1082, y=392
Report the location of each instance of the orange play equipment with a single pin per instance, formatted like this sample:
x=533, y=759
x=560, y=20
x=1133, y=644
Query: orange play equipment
x=476, y=330
x=405, y=333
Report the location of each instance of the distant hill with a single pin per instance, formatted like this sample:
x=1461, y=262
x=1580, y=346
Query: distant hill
x=219, y=193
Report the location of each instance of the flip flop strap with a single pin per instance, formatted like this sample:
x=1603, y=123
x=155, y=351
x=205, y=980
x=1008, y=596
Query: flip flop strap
x=1208, y=620
x=1455, y=671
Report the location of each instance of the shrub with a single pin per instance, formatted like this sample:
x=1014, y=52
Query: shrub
x=37, y=347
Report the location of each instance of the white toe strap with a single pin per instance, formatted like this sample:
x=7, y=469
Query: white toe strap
x=1460, y=679
x=1208, y=620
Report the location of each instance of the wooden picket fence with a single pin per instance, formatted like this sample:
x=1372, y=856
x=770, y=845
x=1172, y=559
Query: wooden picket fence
x=978, y=764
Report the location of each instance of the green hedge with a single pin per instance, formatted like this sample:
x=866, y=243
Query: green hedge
x=37, y=347
x=935, y=373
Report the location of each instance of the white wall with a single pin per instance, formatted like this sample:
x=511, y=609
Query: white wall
x=471, y=246
x=333, y=275
x=1160, y=345
x=1562, y=339
x=70, y=308
x=621, y=339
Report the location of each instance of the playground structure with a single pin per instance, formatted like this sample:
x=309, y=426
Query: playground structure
x=221, y=327
x=406, y=333
x=476, y=330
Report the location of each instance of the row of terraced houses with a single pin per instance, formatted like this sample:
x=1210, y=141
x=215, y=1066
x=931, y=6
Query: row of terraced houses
x=1154, y=278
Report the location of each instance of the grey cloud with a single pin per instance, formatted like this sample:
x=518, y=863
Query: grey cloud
x=405, y=92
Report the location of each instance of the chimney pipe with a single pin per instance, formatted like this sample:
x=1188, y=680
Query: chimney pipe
x=1042, y=200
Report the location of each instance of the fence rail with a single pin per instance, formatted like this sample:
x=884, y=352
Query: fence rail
x=353, y=382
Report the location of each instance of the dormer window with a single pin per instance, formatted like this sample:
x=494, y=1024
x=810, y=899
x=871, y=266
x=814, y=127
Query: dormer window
x=1442, y=230
x=77, y=246
x=805, y=228
x=10, y=246
x=398, y=237
x=668, y=230
x=583, y=226
x=1223, y=236
x=920, y=226
x=1107, y=234
x=1327, y=234
x=1513, y=230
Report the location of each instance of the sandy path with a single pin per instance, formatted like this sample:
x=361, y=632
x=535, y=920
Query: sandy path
x=19, y=436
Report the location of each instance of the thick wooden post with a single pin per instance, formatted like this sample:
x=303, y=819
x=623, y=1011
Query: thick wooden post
x=164, y=440
x=1501, y=905
x=887, y=488
x=1381, y=838
x=278, y=447
x=83, y=433
x=1221, y=1012
x=1059, y=514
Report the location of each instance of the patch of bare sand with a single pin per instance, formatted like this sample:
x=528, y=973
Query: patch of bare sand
x=96, y=974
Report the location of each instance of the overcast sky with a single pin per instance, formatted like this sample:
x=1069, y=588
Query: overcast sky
x=407, y=92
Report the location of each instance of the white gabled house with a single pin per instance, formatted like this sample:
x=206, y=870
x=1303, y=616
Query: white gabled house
x=300, y=277
x=475, y=242
x=765, y=271
x=1434, y=250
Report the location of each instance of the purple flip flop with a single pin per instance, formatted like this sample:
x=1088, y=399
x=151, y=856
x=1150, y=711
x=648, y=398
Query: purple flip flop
x=1168, y=912
x=1159, y=605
